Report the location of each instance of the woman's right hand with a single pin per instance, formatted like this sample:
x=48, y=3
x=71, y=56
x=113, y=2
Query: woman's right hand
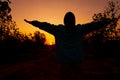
x=27, y=21
x=33, y=22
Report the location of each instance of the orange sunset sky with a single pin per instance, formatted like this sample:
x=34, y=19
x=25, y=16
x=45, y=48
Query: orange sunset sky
x=53, y=11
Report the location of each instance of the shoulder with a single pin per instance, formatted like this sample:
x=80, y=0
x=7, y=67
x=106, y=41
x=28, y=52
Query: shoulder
x=60, y=26
x=79, y=26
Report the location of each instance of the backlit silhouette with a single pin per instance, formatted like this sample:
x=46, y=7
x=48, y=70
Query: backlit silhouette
x=69, y=37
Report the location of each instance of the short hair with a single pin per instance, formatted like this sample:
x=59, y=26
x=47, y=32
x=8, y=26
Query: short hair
x=69, y=19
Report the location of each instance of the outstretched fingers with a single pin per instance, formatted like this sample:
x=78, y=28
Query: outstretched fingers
x=27, y=21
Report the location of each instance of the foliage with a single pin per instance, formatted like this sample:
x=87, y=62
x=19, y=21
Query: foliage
x=13, y=43
x=106, y=41
x=8, y=28
x=112, y=11
x=39, y=38
x=10, y=36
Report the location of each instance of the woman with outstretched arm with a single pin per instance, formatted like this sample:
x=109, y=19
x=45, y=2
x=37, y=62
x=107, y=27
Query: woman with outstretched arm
x=69, y=39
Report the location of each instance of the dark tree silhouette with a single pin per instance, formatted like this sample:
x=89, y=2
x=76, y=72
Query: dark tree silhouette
x=8, y=28
x=112, y=11
x=101, y=39
x=11, y=39
x=39, y=37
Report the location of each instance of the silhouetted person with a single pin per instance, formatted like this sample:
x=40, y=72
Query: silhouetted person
x=69, y=38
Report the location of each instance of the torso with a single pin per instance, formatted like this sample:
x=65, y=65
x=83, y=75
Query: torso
x=69, y=45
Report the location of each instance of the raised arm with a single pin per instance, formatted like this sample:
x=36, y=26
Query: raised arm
x=43, y=25
x=89, y=27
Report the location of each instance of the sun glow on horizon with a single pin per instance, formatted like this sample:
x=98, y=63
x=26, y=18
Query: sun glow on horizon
x=51, y=43
x=53, y=12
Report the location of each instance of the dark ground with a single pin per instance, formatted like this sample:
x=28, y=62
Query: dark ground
x=43, y=67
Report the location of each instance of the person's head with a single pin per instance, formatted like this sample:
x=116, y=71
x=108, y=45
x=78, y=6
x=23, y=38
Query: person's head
x=69, y=19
